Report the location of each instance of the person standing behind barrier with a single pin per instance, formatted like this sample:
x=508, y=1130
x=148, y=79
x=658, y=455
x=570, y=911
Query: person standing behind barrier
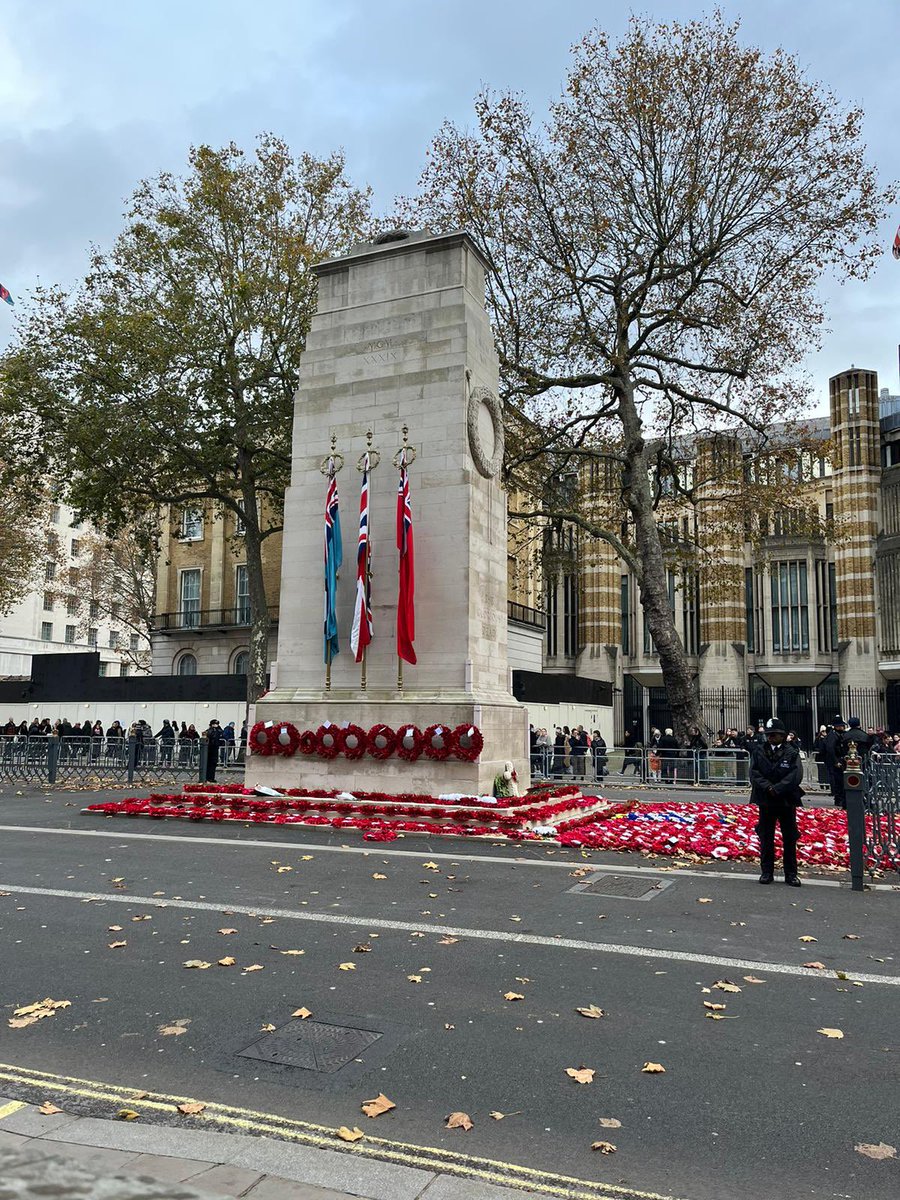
x=669, y=749
x=834, y=761
x=697, y=745
x=214, y=740
x=580, y=747
x=859, y=737
x=166, y=739
x=633, y=743
x=776, y=773
x=819, y=755
x=558, y=766
x=598, y=752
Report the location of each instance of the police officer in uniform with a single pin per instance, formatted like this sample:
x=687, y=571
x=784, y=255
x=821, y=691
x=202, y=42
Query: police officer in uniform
x=859, y=737
x=834, y=761
x=776, y=771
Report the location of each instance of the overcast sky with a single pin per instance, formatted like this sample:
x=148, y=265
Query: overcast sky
x=96, y=94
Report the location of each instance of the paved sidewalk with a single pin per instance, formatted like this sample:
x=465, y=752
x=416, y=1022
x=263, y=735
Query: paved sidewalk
x=66, y=1157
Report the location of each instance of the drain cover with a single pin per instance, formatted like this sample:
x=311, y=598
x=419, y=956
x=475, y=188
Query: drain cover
x=625, y=887
x=312, y=1046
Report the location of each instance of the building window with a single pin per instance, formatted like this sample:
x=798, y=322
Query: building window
x=242, y=596
x=76, y=547
x=187, y=665
x=552, y=612
x=92, y=637
x=190, y=598
x=70, y=634
x=570, y=615
x=241, y=663
x=240, y=525
x=124, y=670
x=103, y=668
x=48, y=602
x=690, y=612
x=54, y=513
x=790, y=607
x=114, y=639
x=854, y=447
x=750, y=633
x=94, y=611
x=626, y=614
x=52, y=542
x=192, y=525
x=46, y=631
x=71, y=607
x=50, y=571
x=114, y=609
x=74, y=577
x=134, y=642
x=853, y=396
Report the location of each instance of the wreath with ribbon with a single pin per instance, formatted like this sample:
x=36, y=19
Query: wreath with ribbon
x=359, y=738
x=442, y=735
x=262, y=738
x=331, y=748
x=381, y=734
x=468, y=742
x=413, y=735
x=286, y=740
x=308, y=743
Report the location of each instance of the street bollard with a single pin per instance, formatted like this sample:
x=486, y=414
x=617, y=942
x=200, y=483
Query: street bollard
x=856, y=818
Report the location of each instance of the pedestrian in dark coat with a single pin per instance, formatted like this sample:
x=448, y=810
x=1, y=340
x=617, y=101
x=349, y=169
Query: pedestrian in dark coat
x=669, y=749
x=213, y=746
x=834, y=761
x=855, y=734
x=776, y=772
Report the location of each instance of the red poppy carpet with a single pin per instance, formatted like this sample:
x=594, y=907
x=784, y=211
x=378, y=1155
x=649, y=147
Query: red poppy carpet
x=701, y=832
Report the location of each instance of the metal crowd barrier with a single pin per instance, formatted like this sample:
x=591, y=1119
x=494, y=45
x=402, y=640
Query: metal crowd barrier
x=49, y=759
x=716, y=767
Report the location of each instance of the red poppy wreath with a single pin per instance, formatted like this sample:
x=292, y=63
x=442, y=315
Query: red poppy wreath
x=468, y=742
x=262, y=738
x=353, y=741
x=286, y=739
x=328, y=741
x=439, y=742
x=410, y=742
x=309, y=743
x=382, y=741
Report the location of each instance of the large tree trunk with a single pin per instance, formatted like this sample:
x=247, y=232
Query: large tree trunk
x=679, y=678
x=260, y=624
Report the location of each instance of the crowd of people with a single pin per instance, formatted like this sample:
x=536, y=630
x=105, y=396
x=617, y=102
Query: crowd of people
x=175, y=743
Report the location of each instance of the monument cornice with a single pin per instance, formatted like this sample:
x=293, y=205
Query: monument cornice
x=420, y=238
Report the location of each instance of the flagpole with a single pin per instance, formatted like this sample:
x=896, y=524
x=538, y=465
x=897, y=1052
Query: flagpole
x=367, y=463
x=329, y=467
x=401, y=460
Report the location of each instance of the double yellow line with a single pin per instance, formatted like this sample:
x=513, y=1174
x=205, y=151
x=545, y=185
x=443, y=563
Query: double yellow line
x=428, y=1158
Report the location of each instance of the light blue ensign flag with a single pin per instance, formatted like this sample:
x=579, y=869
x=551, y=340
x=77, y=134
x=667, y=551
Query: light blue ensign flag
x=334, y=554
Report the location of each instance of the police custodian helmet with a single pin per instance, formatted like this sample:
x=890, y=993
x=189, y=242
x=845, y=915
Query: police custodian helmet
x=773, y=725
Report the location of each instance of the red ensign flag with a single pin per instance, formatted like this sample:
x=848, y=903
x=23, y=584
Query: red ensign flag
x=406, y=608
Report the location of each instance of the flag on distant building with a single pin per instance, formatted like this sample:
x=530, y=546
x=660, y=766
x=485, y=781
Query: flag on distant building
x=361, y=633
x=406, y=608
x=895, y=249
x=4, y=295
x=334, y=554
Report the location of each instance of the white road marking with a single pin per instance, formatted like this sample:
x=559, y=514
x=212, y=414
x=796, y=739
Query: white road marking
x=612, y=868
x=487, y=935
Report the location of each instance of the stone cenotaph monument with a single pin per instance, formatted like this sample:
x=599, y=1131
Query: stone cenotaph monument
x=400, y=339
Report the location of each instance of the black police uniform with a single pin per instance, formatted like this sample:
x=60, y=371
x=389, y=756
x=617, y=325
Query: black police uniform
x=858, y=737
x=775, y=775
x=834, y=763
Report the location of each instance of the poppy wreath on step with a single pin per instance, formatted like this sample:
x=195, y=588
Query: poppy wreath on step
x=328, y=741
x=439, y=742
x=382, y=741
x=262, y=738
x=286, y=739
x=308, y=743
x=468, y=742
x=353, y=741
x=410, y=742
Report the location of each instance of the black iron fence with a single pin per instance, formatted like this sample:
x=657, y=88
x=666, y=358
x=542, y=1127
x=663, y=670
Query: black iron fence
x=873, y=816
x=104, y=760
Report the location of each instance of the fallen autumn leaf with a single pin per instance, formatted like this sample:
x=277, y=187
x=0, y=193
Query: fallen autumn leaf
x=381, y=1104
x=877, y=1150
x=591, y=1011
x=350, y=1135
x=460, y=1120
x=603, y=1147
x=581, y=1074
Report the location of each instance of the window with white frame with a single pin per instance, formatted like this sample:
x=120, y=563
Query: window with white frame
x=46, y=631
x=54, y=513
x=124, y=670
x=70, y=634
x=93, y=635
x=190, y=598
x=114, y=639
x=72, y=607
x=241, y=663
x=192, y=525
x=187, y=665
x=790, y=607
x=134, y=642
x=242, y=595
x=76, y=547
x=103, y=668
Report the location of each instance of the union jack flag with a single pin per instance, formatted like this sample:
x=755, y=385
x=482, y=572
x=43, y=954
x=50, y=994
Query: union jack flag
x=406, y=610
x=361, y=633
x=4, y=295
x=333, y=557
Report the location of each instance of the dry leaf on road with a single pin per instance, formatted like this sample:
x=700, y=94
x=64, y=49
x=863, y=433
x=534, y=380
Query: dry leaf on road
x=752, y=979
x=610, y=1123
x=227, y=962
x=725, y=985
x=652, y=1068
x=430, y=866
x=448, y=941
x=815, y=966
x=302, y=1013
x=807, y=938
x=591, y=1011
x=117, y=945
x=227, y=931
x=114, y=928
x=350, y=1135
x=198, y=963
x=876, y=1150
x=717, y=1016
x=580, y=1074
x=268, y=1028
x=173, y=1030
x=603, y=1147
x=252, y=967
x=127, y=1114
x=850, y=937
x=513, y=996
x=831, y=1033
x=347, y=966
x=378, y=875
x=715, y=1007
x=191, y=1108
x=49, y=1109
x=281, y=870
x=704, y=900
x=381, y=1104
x=460, y=1120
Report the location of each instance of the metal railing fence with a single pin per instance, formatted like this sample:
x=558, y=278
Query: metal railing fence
x=48, y=759
x=715, y=767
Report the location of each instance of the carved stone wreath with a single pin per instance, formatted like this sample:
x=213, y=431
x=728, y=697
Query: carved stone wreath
x=488, y=467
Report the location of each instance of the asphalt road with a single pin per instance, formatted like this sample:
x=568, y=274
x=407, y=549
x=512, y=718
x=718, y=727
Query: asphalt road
x=760, y=1104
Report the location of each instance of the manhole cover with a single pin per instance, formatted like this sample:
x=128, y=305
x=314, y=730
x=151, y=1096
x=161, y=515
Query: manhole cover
x=625, y=887
x=312, y=1046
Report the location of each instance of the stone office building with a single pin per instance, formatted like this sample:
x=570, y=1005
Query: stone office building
x=815, y=627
